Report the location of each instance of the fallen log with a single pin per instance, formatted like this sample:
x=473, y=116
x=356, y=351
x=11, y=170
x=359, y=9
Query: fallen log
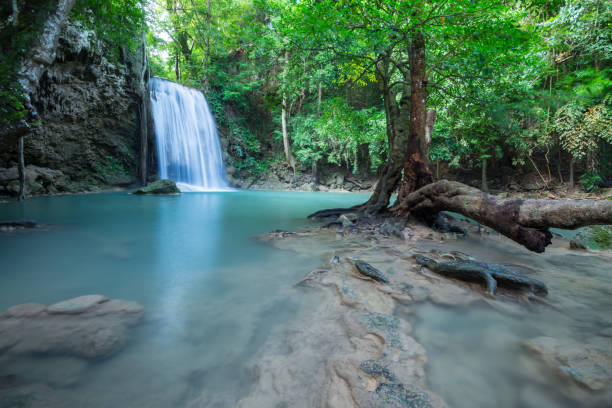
x=526, y=221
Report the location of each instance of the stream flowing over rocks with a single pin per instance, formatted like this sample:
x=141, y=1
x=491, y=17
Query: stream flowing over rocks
x=356, y=346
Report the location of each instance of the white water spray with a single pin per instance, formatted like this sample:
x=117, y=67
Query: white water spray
x=188, y=146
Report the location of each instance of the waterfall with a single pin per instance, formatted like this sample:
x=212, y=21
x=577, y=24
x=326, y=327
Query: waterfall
x=188, y=146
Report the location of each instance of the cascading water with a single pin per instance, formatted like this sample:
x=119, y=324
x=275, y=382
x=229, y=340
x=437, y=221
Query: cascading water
x=187, y=142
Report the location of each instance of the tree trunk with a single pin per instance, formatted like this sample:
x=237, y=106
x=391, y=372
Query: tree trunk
x=429, y=125
x=397, y=118
x=484, y=187
x=315, y=173
x=416, y=166
x=524, y=221
x=21, y=168
x=144, y=122
x=571, y=175
x=286, y=144
x=319, y=96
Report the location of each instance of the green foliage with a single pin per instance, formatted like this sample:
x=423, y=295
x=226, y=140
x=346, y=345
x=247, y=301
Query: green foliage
x=109, y=168
x=118, y=22
x=591, y=181
x=337, y=134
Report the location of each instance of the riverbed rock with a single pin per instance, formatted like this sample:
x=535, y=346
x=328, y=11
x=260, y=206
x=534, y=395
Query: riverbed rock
x=596, y=237
x=159, y=187
x=87, y=326
x=6, y=226
x=585, y=364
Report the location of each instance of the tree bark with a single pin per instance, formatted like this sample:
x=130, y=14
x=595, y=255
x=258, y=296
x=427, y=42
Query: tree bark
x=429, y=125
x=21, y=168
x=286, y=144
x=571, y=175
x=144, y=122
x=484, y=186
x=524, y=221
x=417, y=171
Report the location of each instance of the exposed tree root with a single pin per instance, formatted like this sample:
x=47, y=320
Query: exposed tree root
x=525, y=221
x=491, y=275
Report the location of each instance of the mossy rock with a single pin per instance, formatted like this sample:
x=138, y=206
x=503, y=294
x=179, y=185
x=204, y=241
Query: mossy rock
x=598, y=237
x=159, y=187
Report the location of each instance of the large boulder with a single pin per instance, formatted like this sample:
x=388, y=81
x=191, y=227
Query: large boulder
x=38, y=180
x=597, y=237
x=159, y=187
x=87, y=326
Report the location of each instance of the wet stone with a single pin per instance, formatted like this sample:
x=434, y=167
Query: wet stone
x=403, y=396
x=76, y=305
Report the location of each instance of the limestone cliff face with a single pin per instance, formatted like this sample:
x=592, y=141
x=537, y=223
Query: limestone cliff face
x=88, y=135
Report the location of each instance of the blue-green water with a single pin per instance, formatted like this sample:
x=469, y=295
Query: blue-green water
x=211, y=291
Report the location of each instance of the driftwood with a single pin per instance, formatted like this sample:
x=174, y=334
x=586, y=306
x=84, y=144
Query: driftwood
x=490, y=275
x=525, y=221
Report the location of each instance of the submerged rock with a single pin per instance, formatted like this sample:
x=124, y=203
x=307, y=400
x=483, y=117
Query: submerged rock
x=87, y=326
x=159, y=187
x=18, y=224
x=597, y=237
x=585, y=364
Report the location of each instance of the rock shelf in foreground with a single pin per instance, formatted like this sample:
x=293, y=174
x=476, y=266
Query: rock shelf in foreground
x=89, y=326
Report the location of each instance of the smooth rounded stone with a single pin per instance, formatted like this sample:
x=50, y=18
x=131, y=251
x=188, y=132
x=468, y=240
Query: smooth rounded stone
x=76, y=305
x=159, y=187
x=89, y=326
x=584, y=363
x=25, y=310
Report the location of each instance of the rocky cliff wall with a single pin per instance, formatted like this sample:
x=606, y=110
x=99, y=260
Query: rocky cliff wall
x=87, y=138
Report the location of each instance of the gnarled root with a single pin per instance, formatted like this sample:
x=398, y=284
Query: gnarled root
x=525, y=221
x=491, y=275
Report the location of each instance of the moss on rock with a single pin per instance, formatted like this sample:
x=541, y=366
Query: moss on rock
x=597, y=237
x=159, y=187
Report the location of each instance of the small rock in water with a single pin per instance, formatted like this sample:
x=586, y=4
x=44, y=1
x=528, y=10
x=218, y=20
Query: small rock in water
x=159, y=187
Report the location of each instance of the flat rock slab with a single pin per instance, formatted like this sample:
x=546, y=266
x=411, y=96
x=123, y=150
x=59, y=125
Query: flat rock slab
x=586, y=364
x=89, y=326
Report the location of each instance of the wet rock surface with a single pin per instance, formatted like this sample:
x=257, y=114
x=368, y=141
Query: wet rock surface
x=583, y=363
x=358, y=344
x=89, y=326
